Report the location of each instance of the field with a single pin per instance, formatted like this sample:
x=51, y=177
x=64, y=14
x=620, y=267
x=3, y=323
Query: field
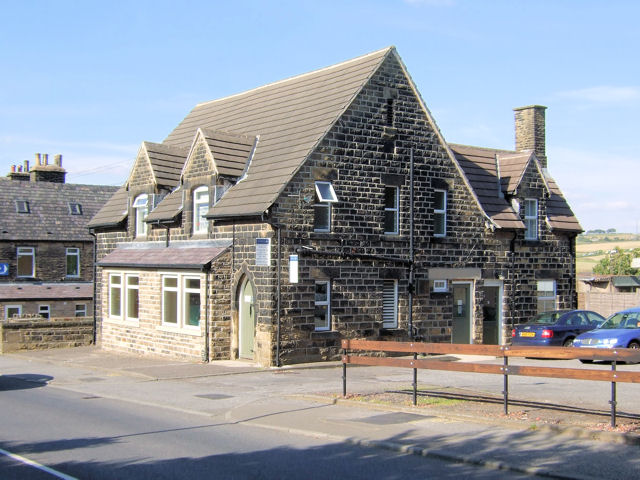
x=592, y=248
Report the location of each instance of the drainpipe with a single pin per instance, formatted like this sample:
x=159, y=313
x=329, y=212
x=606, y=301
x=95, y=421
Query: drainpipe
x=95, y=268
x=411, y=246
x=207, y=332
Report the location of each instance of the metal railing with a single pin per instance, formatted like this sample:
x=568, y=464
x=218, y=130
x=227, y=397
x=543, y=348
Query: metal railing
x=613, y=355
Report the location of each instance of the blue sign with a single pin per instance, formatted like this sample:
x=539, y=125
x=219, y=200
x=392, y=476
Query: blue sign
x=4, y=269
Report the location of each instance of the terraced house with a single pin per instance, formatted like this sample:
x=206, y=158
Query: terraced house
x=273, y=223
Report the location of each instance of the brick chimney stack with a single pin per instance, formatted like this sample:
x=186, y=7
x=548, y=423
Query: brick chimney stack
x=530, y=131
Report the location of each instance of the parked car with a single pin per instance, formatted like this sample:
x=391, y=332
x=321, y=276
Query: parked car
x=621, y=330
x=555, y=328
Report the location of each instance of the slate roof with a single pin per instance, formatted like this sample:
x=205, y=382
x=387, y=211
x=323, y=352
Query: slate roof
x=493, y=173
x=113, y=212
x=166, y=162
x=162, y=257
x=289, y=117
x=49, y=291
x=230, y=152
x=168, y=209
x=49, y=216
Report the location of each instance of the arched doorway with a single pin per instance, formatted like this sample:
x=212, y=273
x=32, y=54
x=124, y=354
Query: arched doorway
x=246, y=319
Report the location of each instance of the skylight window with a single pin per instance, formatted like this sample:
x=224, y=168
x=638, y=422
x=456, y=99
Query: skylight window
x=325, y=192
x=75, y=209
x=22, y=206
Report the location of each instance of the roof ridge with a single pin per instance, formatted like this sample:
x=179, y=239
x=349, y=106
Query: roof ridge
x=296, y=77
x=502, y=150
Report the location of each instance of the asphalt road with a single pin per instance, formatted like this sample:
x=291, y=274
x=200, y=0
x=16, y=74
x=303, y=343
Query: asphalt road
x=69, y=435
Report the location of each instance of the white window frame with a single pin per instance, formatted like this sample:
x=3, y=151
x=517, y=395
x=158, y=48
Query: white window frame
x=181, y=290
x=440, y=211
x=82, y=309
x=394, y=210
x=72, y=252
x=141, y=208
x=386, y=286
x=115, y=286
x=26, y=252
x=549, y=302
x=323, y=303
x=200, y=223
x=127, y=288
x=531, y=219
x=325, y=197
x=10, y=307
x=45, y=309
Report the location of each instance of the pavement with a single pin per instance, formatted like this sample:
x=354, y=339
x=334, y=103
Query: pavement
x=462, y=421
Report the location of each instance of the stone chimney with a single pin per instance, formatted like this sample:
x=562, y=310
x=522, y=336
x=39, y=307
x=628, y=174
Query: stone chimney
x=530, y=131
x=43, y=171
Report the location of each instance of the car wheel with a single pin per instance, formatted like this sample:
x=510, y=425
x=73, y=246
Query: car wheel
x=634, y=344
x=586, y=361
x=568, y=342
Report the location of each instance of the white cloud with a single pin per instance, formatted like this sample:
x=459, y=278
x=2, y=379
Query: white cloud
x=603, y=94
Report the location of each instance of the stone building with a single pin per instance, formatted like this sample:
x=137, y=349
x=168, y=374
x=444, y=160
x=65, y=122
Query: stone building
x=273, y=223
x=46, y=251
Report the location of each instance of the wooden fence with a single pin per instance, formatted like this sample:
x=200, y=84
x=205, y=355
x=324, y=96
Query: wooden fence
x=366, y=348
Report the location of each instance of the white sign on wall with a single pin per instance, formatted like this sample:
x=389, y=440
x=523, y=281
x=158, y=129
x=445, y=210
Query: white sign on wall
x=263, y=252
x=293, y=268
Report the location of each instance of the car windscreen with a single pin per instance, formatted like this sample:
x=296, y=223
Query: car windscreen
x=622, y=320
x=546, y=318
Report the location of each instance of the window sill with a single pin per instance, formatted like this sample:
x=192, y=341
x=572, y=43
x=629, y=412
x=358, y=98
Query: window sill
x=118, y=321
x=192, y=331
x=393, y=237
x=325, y=334
x=322, y=236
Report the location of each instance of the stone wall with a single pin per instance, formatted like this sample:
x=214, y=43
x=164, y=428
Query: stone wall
x=29, y=334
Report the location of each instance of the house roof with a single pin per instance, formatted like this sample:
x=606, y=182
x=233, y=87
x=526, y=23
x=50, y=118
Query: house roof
x=168, y=209
x=289, y=118
x=42, y=291
x=113, y=212
x=494, y=173
x=626, y=281
x=158, y=256
x=166, y=162
x=51, y=211
x=230, y=152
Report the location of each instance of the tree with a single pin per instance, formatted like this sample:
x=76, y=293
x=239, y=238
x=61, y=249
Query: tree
x=617, y=262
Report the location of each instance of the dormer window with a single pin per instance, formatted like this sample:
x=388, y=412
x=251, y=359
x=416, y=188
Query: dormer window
x=325, y=196
x=75, y=209
x=22, y=206
x=141, y=209
x=200, y=209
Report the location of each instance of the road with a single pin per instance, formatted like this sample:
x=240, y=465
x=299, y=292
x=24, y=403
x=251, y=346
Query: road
x=74, y=435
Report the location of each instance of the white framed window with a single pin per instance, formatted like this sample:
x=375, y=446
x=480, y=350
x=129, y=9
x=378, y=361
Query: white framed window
x=391, y=210
x=124, y=297
x=325, y=196
x=26, y=262
x=75, y=208
x=132, y=298
x=531, y=219
x=440, y=213
x=73, y=262
x=44, y=311
x=11, y=311
x=115, y=295
x=181, y=300
x=22, y=206
x=141, y=209
x=322, y=308
x=546, y=290
x=81, y=310
x=200, y=208
x=390, y=304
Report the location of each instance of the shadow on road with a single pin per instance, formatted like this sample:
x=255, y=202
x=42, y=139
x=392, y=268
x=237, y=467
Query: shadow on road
x=23, y=381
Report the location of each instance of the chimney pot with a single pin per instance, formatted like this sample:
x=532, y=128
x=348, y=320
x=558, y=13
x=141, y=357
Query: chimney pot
x=13, y=169
x=58, y=160
x=45, y=158
x=38, y=159
x=26, y=165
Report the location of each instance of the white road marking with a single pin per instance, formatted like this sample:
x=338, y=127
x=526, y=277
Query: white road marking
x=37, y=465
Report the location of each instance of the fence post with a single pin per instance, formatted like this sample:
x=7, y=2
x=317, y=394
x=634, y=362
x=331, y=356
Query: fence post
x=613, y=395
x=344, y=372
x=415, y=380
x=505, y=392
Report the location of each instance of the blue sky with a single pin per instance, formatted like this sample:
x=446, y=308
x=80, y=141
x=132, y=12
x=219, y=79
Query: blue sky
x=92, y=80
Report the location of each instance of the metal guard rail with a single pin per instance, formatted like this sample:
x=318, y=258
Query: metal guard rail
x=614, y=355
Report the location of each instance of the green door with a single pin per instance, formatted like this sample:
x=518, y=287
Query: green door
x=247, y=316
x=461, y=325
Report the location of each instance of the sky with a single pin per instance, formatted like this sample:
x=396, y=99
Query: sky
x=92, y=80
